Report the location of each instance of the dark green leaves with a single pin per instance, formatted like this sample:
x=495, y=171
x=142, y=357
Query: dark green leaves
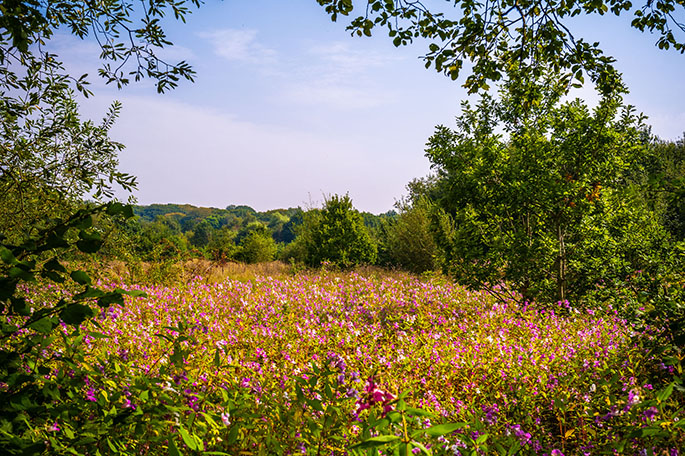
x=191, y=440
x=44, y=325
x=7, y=256
x=111, y=298
x=75, y=314
x=116, y=208
x=89, y=242
x=80, y=277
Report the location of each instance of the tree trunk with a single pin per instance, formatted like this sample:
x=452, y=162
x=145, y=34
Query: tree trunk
x=561, y=262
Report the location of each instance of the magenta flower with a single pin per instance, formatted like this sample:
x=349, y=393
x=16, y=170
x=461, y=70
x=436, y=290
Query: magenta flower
x=90, y=395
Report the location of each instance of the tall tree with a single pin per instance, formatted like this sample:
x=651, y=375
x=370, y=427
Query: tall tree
x=535, y=189
x=337, y=235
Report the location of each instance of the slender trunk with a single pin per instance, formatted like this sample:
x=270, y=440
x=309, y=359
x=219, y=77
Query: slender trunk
x=561, y=260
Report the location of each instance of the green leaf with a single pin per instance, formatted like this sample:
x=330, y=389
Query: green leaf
x=7, y=288
x=20, y=273
x=442, y=429
x=188, y=439
x=84, y=222
x=421, y=447
x=173, y=451
x=419, y=412
x=88, y=293
x=665, y=393
x=647, y=432
x=75, y=314
x=20, y=307
x=89, y=236
x=80, y=277
x=7, y=256
x=482, y=439
x=68, y=432
x=132, y=293
x=376, y=442
x=89, y=246
x=116, y=208
x=54, y=265
x=316, y=405
x=44, y=325
x=233, y=434
x=54, y=276
x=110, y=298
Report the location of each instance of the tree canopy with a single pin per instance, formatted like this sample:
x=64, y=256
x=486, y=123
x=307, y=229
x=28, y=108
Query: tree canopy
x=495, y=35
x=129, y=34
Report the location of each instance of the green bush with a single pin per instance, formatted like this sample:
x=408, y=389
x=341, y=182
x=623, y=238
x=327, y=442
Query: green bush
x=407, y=239
x=257, y=247
x=337, y=235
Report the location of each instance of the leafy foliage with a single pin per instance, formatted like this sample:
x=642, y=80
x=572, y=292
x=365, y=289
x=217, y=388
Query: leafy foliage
x=51, y=161
x=546, y=209
x=128, y=37
x=493, y=36
x=257, y=247
x=31, y=400
x=337, y=235
x=407, y=240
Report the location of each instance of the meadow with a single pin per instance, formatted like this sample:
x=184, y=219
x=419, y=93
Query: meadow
x=336, y=363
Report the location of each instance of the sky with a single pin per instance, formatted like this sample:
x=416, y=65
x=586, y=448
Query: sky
x=287, y=107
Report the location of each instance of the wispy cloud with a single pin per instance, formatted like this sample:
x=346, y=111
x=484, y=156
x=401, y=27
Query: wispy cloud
x=239, y=45
x=332, y=94
x=343, y=59
x=339, y=76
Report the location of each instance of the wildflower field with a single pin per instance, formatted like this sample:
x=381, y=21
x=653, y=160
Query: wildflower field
x=346, y=363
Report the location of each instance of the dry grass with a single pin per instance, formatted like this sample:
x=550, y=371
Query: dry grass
x=172, y=273
x=184, y=271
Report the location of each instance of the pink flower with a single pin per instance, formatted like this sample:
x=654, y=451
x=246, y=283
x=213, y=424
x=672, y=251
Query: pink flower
x=373, y=396
x=90, y=395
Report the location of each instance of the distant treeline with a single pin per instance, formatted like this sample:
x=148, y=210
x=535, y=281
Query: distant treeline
x=240, y=233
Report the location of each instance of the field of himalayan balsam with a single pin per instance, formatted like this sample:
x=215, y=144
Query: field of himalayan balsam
x=351, y=364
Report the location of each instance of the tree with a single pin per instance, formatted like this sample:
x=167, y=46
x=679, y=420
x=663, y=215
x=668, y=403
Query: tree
x=202, y=234
x=49, y=157
x=494, y=35
x=222, y=246
x=128, y=36
x=408, y=242
x=664, y=172
x=52, y=160
x=337, y=235
x=544, y=208
x=257, y=247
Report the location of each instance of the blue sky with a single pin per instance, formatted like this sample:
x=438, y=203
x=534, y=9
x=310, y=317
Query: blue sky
x=288, y=107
